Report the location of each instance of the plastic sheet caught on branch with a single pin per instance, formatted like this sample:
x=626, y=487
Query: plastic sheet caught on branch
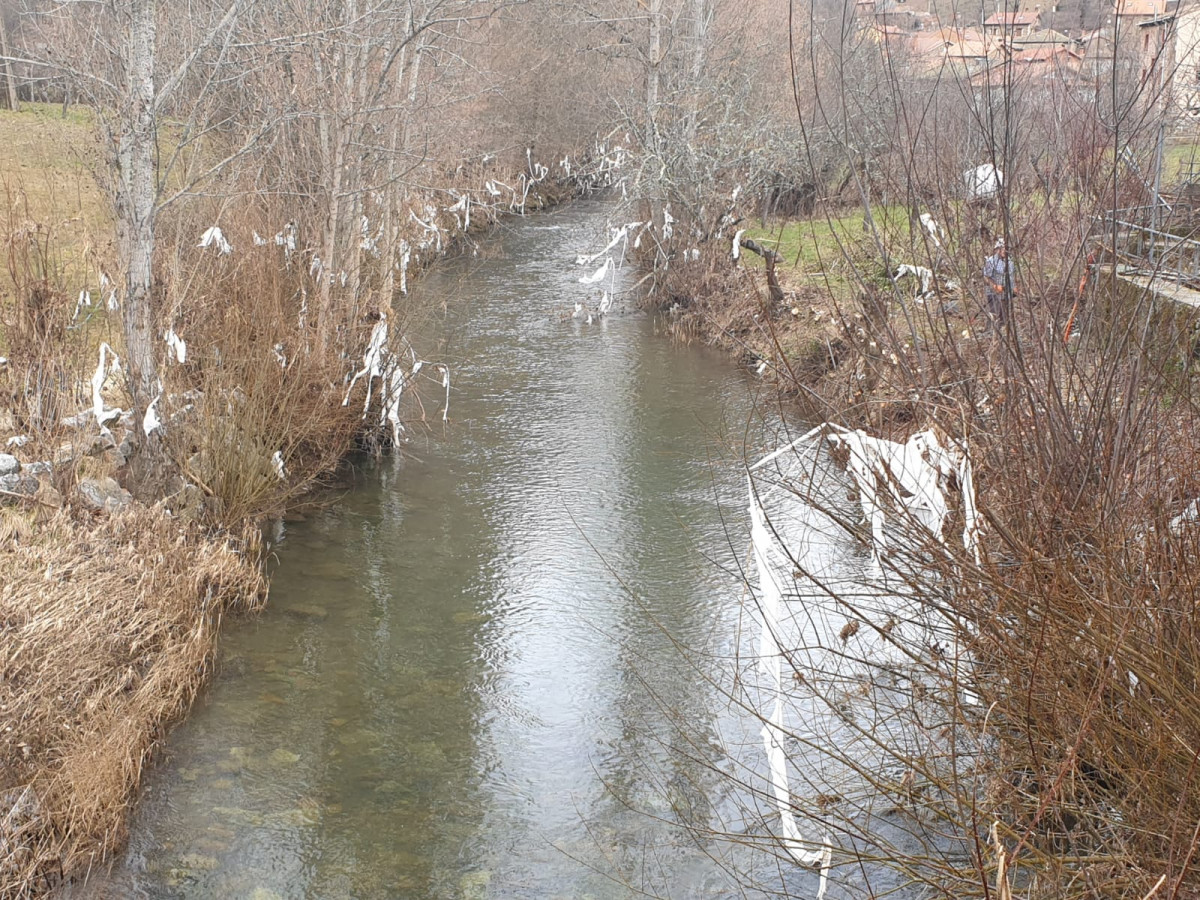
x=873, y=661
x=213, y=237
x=381, y=362
x=103, y=414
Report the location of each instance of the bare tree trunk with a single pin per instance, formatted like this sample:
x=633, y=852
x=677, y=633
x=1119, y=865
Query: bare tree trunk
x=700, y=23
x=654, y=61
x=135, y=202
x=6, y=69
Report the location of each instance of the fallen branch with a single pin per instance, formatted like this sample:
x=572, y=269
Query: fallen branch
x=771, y=257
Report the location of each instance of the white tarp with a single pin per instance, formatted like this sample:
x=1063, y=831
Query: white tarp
x=853, y=662
x=983, y=182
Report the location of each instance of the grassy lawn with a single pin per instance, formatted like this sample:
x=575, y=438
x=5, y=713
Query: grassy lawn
x=829, y=249
x=54, y=222
x=49, y=163
x=1179, y=157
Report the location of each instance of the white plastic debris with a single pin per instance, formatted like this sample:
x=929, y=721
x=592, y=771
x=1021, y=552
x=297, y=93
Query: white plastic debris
x=103, y=370
x=736, y=252
x=150, y=421
x=923, y=274
x=619, y=234
x=983, y=182
x=430, y=227
x=1189, y=516
x=933, y=229
x=213, y=237
x=599, y=275
x=405, y=256
x=84, y=300
x=287, y=240
x=446, y=384
x=854, y=690
x=770, y=660
x=257, y=239
x=463, y=205
x=277, y=465
x=373, y=360
x=176, y=345
x=668, y=223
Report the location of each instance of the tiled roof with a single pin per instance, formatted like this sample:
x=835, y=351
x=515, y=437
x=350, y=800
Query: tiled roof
x=1018, y=19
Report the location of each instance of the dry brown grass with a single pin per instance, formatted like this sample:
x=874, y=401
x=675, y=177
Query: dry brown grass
x=109, y=629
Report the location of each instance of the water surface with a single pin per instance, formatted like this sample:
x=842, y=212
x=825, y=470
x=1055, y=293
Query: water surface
x=470, y=681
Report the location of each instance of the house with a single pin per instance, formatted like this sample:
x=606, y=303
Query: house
x=1045, y=37
x=1010, y=25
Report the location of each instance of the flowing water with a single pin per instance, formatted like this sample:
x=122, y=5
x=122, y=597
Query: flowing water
x=496, y=667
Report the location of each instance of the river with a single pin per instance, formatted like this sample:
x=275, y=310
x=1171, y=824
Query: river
x=498, y=666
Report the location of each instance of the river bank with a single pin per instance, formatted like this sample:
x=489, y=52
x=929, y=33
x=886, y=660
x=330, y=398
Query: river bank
x=1077, y=409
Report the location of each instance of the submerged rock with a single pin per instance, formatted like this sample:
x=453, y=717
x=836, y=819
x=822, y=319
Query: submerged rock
x=197, y=862
x=236, y=816
x=282, y=757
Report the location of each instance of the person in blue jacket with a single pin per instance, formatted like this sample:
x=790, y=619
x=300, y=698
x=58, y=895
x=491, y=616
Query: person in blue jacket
x=998, y=278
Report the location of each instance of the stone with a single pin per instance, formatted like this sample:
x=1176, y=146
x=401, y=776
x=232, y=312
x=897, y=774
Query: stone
x=9, y=464
x=236, y=816
x=198, y=862
x=189, y=504
x=103, y=494
x=42, y=467
x=18, y=485
x=49, y=496
x=307, y=611
x=282, y=757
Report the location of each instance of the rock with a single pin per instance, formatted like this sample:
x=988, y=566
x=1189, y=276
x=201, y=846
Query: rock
x=198, y=862
x=113, y=458
x=282, y=757
x=237, y=816
x=474, y=885
x=310, y=612
x=9, y=465
x=20, y=485
x=187, y=502
x=49, y=496
x=39, y=468
x=103, y=494
x=98, y=444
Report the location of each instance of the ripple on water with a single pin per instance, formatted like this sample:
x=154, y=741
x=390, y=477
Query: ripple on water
x=457, y=689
